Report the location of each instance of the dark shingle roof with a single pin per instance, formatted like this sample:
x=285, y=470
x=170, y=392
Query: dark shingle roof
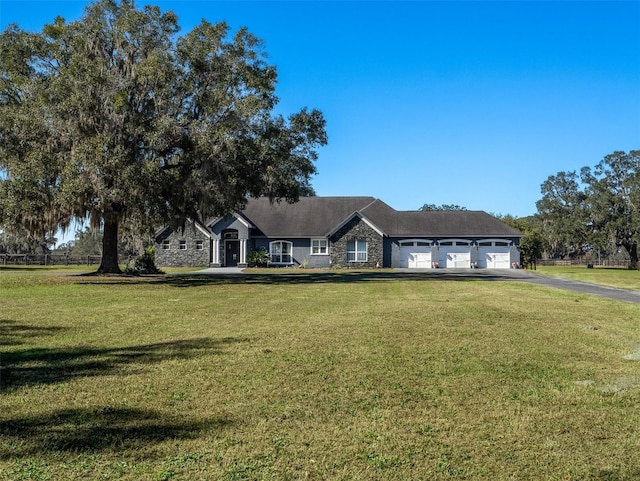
x=450, y=224
x=309, y=217
x=318, y=216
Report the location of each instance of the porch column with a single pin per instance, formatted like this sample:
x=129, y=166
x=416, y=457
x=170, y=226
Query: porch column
x=215, y=251
x=243, y=251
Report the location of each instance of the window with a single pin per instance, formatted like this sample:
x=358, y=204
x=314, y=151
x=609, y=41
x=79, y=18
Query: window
x=280, y=252
x=199, y=245
x=319, y=247
x=166, y=245
x=357, y=250
x=182, y=245
x=419, y=243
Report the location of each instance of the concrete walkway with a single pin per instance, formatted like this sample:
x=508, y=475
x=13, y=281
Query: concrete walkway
x=220, y=270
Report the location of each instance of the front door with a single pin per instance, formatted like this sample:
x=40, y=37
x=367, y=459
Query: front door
x=232, y=253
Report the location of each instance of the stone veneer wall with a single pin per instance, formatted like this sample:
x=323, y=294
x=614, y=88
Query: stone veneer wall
x=357, y=229
x=189, y=257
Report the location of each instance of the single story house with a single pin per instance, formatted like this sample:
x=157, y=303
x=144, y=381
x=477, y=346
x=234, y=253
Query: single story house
x=358, y=232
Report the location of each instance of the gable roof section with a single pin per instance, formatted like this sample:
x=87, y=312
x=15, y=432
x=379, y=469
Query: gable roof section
x=360, y=216
x=309, y=217
x=450, y=224
x=194, y=223
x=382, y=215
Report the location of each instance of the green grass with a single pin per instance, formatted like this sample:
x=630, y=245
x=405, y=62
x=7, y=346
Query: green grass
x=320, y=376
x=606, y=276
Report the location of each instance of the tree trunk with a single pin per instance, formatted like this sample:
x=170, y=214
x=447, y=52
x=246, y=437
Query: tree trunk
x=109, y=264
x=633, y=255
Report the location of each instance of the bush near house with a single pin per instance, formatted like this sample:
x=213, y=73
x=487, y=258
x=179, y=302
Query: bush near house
x=258, y=258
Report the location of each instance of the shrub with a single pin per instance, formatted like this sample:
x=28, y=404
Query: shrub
x=258, y=257
x=144, y=264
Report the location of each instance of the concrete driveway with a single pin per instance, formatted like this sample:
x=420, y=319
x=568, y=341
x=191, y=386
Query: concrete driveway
x=534, y=278
x=586, y=288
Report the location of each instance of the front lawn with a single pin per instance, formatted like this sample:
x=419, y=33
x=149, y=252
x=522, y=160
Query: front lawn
x=319, y=376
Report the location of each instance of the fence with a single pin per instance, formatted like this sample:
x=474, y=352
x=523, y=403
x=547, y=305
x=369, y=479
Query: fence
x=584, y=262
x=51, y=260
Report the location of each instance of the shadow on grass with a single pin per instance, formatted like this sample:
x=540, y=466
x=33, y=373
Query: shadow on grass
x=278, y=277
x=186, y=280
x=610, y=475
x=30, y=367
x=13, y=333
x=96, y=430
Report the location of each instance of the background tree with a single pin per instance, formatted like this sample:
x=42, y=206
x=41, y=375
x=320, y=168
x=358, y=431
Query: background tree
x=563, y=215
x=531, y=244
x=427, y=207
x=117, y=119
x=597, y=211
x=87, y=242
x=613, y=197
x=21, y=241
x=531, y=247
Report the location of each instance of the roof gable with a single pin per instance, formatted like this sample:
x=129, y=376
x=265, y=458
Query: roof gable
x=309, y=217
x=360, y=216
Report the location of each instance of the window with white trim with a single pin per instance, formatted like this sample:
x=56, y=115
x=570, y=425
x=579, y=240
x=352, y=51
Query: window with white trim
x=319, y=247
x=357, y=250
x=281, y=252
x=182, y=245
x=199, y=245
x=166, y=245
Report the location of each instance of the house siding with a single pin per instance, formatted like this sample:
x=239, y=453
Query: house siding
x=301, y=252
x=189, y=257
x=356, y=228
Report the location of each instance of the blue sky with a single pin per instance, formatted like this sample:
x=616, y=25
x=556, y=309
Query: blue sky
x=470, y=103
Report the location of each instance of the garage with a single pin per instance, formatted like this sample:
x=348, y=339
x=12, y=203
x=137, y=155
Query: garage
x=495, y=254
x=455, y=254
x=415, y=254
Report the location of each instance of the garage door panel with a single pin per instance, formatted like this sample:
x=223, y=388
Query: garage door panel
x=455, y=258
x=415, y=257
x=495, y=258
x=422, y=260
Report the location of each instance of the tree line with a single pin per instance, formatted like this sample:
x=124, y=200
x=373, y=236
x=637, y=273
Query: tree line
x=594, y=213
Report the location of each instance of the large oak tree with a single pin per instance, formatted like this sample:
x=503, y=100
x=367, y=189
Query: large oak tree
x=118, y=119
x=599, y=207
x=563, y=215
x=613, y=200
